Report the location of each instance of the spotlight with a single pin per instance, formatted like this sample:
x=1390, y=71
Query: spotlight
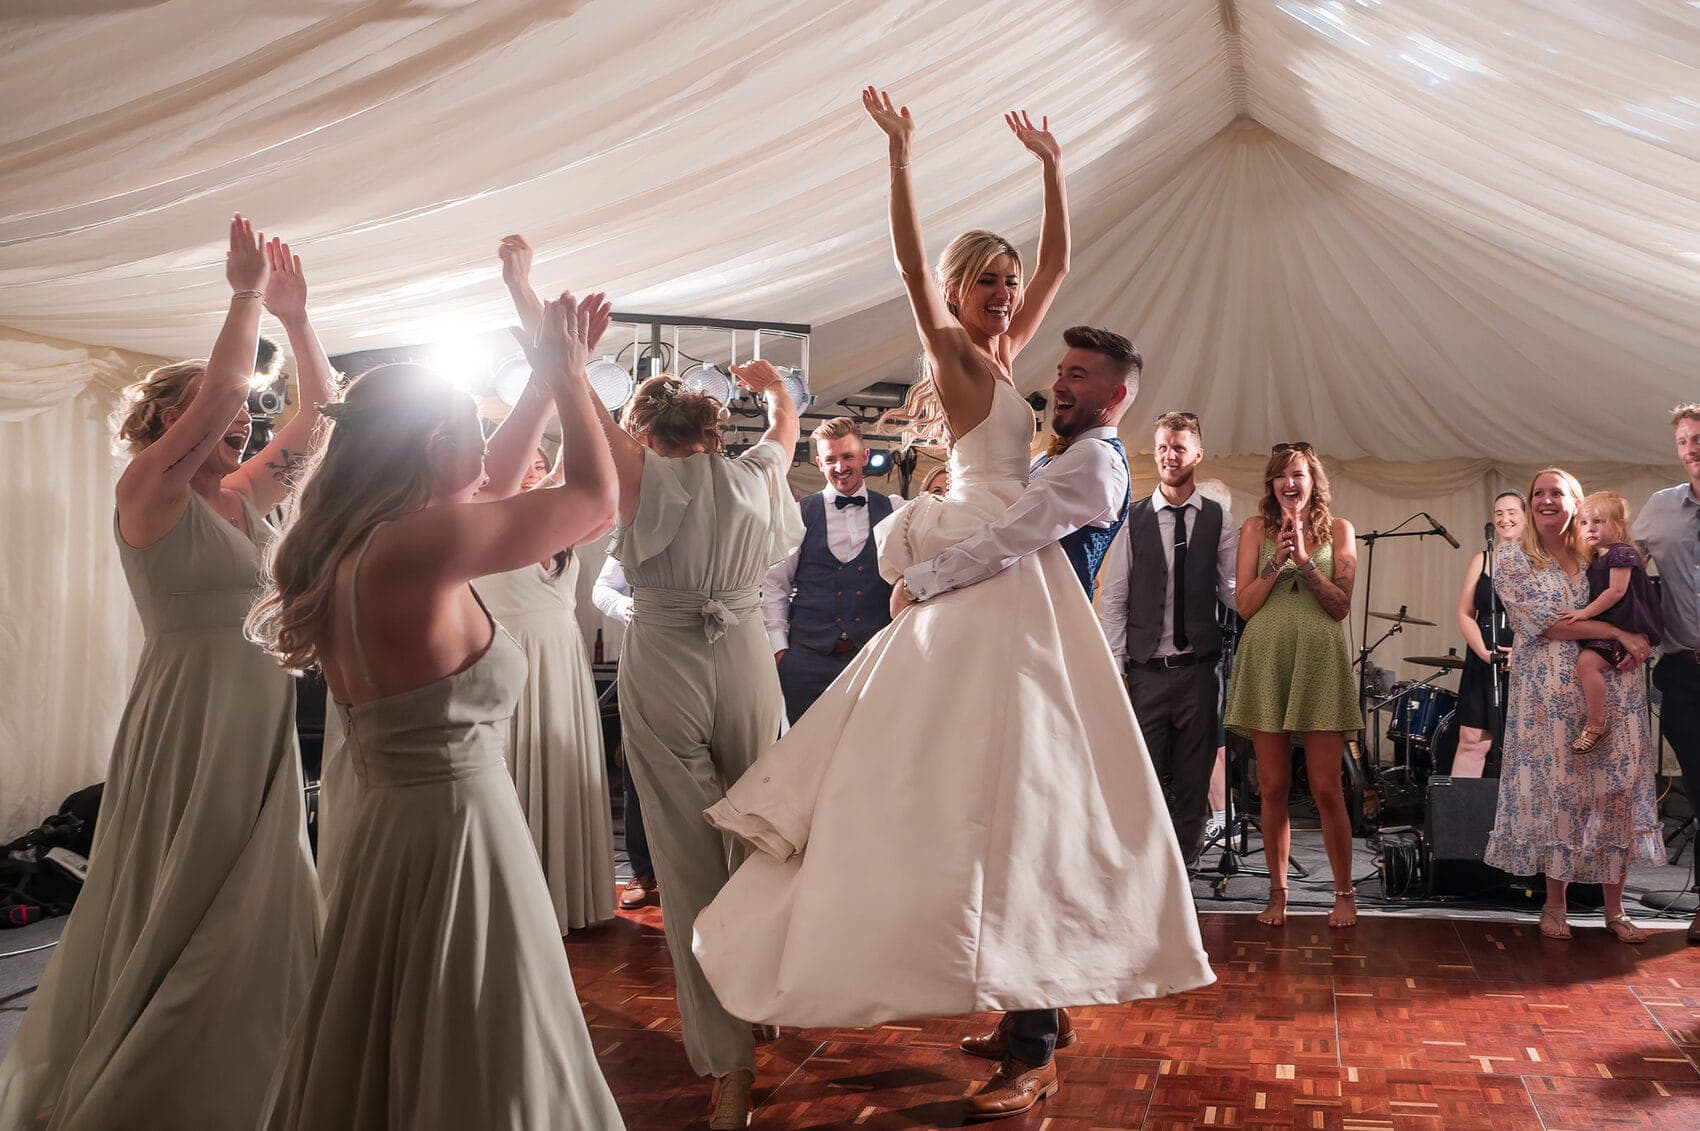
x=510, y=379
x=797, y=386
x=879, y=463
x=611, y=383
x=705, y=377
x=464, y=361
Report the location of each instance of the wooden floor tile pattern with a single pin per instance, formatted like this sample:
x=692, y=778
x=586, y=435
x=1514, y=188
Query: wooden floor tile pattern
x=1394, y=1024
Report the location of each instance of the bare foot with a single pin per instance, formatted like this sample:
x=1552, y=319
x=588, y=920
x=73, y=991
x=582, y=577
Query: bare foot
x=1345, y=913
x=1276, y=913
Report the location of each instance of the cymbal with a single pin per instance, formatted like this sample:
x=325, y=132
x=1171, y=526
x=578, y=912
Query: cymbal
x=1402, y=617
x=1436, y=661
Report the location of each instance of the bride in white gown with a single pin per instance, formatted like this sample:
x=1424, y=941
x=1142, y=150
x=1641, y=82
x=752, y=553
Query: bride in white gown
x=916, y=825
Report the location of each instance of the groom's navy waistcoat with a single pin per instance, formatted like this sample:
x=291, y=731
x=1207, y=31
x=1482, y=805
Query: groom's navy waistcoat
x=1087, y=546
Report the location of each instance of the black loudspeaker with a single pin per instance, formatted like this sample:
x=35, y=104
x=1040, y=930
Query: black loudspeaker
x=1455, y=836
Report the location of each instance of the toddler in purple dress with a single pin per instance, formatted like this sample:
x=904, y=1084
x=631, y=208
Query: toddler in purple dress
x=1621, y=594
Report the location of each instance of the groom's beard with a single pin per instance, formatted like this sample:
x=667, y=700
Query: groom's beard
x=1068, y=430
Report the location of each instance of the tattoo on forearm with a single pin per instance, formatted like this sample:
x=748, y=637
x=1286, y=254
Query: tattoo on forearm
x=1270, y=569
x=287, y=465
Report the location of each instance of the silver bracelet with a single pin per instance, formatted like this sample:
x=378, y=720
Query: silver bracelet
x=247, y=294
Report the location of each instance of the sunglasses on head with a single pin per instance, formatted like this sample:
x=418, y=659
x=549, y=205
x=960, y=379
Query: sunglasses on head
x=1298, y=446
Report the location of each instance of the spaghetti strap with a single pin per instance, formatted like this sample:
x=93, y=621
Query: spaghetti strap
x=354, y=613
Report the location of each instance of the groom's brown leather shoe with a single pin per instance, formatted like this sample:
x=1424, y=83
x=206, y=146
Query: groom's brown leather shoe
x=1013, y=1089
x=637, y=892
x=995, y=1045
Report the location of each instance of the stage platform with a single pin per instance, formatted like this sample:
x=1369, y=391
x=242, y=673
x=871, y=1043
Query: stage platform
x=1399, y=1022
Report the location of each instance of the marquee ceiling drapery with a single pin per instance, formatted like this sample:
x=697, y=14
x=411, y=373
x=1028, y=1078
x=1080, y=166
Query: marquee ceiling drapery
x=1415, y=231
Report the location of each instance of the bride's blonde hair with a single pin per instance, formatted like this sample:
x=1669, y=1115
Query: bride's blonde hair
x=921, y=417
x=373, y=464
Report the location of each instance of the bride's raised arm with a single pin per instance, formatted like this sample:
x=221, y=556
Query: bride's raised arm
x=1054, y=236
x=941, y=335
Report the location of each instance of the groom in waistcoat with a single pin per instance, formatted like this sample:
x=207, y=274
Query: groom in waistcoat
x=1162, y=582
x=827, y=599
x=1077, y=495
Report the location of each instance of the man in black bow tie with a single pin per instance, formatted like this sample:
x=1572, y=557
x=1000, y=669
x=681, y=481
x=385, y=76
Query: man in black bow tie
x=827, y=599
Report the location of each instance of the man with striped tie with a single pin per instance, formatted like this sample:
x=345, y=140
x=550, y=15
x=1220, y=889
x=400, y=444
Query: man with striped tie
x=1077, y=495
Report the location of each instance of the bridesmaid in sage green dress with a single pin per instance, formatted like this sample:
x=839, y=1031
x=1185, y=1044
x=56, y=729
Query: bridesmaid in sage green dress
x=699, y=694
x=188, y=954
x=442, y=998
x=1292, y=673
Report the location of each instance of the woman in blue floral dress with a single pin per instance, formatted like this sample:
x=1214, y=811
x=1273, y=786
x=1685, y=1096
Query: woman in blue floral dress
x=1569, y=817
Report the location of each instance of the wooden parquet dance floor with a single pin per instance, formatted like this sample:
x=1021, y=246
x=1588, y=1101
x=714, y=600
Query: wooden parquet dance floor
x=1396, y=1023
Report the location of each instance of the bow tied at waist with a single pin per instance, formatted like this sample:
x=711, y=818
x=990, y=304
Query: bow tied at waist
x=850, y=501
x=718, y=611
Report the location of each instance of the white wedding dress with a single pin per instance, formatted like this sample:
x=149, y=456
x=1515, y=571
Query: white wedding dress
x=967, y=819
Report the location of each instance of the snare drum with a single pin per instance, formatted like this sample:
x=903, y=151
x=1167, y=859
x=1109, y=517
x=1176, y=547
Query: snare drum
x=1418, y=715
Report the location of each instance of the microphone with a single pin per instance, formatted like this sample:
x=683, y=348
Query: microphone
x=1441, y=530
x=1487, y=531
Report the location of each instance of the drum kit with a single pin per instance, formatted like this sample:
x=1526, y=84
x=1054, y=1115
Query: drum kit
x=1423, y=726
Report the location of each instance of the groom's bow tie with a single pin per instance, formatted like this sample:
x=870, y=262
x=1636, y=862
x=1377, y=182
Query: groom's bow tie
x=850, y=501
x=1057, y=446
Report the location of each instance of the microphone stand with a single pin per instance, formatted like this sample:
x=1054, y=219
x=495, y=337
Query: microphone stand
x=1496, y=657
x=1370, y=539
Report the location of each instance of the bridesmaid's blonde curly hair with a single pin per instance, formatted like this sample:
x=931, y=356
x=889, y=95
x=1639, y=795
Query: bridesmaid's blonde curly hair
x=140, y=420
x=374, y=464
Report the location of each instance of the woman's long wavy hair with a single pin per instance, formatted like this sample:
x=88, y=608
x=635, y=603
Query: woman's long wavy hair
x=370, y=463
x=920, y=419
x=1537, y=553
x=1319, y=519
x=140, y=419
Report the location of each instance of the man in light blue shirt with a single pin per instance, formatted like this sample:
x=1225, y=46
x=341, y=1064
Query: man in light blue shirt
x=1668, y=530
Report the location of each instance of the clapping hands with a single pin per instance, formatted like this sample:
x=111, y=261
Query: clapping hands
x=563, y=348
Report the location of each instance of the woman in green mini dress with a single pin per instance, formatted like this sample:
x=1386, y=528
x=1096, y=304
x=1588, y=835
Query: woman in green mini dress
x=1292, y=674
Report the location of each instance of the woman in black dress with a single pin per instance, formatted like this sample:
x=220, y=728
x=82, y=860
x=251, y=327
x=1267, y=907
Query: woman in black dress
x=1480, y=618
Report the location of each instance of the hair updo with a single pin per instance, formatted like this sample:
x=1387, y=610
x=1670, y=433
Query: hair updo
x=140, y=420
x=679, y=419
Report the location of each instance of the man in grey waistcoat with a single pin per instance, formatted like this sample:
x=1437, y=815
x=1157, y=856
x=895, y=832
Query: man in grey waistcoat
x=827, y=600
x=1161, y=584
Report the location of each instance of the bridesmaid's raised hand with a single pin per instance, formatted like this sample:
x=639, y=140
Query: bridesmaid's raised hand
x=894, y=120
x=1038, y=140
x=759, y=377
x=245, y=265
x=286, y=289
x=601, y=312
x=515, y=254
